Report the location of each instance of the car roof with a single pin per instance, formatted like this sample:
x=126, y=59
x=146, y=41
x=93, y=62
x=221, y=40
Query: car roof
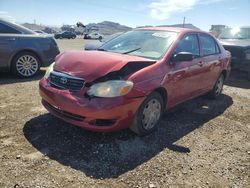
x=17, y=26
x=174, y=29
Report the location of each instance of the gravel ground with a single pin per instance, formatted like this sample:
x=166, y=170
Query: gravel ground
x=202, y=143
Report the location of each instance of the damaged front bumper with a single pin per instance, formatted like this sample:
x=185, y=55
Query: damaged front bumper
x=96, y=114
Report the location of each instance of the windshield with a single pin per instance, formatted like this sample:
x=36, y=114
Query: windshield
x=144, y=43
x=236, y=33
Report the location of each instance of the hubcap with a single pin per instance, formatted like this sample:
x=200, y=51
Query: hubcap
x=219, y=86
x=151, y=114
x=27, y=65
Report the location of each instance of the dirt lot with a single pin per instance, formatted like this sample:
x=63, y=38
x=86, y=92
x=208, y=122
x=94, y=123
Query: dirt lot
x=202, y=143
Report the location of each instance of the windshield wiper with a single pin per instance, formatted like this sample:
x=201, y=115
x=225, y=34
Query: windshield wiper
x=130, y=51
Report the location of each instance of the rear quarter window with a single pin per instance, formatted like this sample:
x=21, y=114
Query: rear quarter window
x=5, y=29
x=208, y=45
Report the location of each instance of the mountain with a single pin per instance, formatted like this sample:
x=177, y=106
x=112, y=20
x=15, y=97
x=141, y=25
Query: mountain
x=105, y=28
x=108, y=28
x=41, y=27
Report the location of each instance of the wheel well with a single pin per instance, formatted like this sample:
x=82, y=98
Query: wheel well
x=163, y=92
x=22, y=51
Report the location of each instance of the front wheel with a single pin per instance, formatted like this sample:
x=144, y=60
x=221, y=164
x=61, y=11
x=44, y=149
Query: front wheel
x=25, y=65
x=148, y=115
x=218, y=87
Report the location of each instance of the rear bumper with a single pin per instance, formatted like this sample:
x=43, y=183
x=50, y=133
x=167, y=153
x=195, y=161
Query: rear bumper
x=116, y=113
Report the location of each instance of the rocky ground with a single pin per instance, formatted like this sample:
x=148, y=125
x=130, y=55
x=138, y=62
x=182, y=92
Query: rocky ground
x=202, y=143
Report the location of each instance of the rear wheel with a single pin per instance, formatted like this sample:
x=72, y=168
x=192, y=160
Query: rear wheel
x=218, y=87
x=148, y=115
x=25, y=64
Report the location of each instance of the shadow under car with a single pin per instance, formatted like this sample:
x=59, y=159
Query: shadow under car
x=108, y=155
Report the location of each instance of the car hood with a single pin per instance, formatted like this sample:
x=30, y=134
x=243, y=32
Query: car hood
x=235, y=42
x=91, y=65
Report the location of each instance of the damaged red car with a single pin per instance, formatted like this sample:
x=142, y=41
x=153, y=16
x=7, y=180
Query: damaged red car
x=131, y=80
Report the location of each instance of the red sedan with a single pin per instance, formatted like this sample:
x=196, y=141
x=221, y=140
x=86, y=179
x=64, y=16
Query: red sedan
x=131, y=80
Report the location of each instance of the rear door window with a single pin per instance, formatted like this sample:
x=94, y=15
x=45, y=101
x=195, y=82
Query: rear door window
x=4, y=29
x=189, y=43
x=208, y=45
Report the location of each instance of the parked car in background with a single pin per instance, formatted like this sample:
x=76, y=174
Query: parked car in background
x=237, y=41
x=23, y=51
x=134, y=78
x=94, y=45
x=65, y=35
x=93, y=36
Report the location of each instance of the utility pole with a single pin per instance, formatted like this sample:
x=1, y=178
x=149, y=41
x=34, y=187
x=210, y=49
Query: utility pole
x=184, y=20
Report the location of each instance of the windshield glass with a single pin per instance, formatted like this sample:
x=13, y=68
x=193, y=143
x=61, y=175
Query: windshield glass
x=144, y=43
x=236, y=33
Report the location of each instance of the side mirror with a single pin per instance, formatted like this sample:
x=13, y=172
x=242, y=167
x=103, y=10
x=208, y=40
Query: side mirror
x=182, y=56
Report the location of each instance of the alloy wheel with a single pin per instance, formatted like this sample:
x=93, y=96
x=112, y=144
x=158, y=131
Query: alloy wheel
x=27, y=65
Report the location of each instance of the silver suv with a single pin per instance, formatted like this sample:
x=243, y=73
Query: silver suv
x=23, y=51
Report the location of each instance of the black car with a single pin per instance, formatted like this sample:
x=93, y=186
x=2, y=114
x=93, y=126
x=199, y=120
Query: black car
x=23, y=51
x=237, y=41
x=65, y=35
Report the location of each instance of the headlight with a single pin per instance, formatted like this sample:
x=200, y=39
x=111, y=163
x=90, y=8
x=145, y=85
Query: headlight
x=112, y=88
x=49, y=70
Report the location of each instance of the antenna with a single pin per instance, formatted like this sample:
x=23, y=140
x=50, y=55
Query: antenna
x=184, y=20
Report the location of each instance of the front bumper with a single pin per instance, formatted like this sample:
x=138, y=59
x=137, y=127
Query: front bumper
x=115, y=113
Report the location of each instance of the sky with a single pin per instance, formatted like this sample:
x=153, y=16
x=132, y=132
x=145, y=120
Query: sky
x=133, y=13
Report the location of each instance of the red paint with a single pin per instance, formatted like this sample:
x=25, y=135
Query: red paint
x=182, y=81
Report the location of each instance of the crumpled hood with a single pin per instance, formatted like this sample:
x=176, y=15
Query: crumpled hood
x=235, y=42
x=91, y=65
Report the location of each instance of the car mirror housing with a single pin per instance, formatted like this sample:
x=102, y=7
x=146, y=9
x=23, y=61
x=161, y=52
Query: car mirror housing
x=182, y=56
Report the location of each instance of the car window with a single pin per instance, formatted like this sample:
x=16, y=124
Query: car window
x=151, y=44
x=208, y=45
x=6, y=29
x=189, y=43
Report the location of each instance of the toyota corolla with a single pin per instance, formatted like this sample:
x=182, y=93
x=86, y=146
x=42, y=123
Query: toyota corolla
x=131, y=80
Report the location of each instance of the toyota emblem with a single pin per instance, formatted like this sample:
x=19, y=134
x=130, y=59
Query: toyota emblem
x=63, y=80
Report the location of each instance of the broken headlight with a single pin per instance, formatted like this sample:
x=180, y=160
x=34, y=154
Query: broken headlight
x=49, y=70
x=112, y=88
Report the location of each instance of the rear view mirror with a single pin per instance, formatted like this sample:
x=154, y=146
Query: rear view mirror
x=182, y=56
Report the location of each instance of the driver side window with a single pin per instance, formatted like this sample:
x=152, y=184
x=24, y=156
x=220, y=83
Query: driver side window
x=189, y=43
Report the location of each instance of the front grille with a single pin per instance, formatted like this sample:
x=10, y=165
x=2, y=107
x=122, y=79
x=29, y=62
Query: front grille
x=65, y=82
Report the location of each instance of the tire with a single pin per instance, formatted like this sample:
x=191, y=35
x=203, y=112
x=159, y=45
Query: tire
x=25, y=65
x=148, y=115
x=100, y=38
x=218, y=87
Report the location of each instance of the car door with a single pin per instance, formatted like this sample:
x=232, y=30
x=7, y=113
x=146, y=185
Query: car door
x=212, y=60
x=8, y=37
x=184, y=76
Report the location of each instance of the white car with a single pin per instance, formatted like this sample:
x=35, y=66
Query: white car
x=93, y=36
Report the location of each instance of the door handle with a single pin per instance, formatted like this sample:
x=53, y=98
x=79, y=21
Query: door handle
x=201, y=63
